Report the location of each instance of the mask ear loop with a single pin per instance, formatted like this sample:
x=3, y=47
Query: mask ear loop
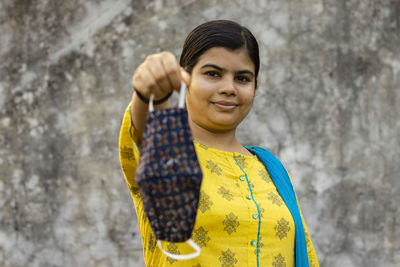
x=182, y=95
x=193, y=255
x=151, y=106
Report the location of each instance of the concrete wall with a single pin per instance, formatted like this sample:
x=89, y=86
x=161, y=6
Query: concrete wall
x=328, y=105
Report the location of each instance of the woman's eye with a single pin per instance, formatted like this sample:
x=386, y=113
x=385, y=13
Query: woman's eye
x=212, y=73
x=242, y=79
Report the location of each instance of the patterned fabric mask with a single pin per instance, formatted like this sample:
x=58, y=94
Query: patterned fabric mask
x=169, y=176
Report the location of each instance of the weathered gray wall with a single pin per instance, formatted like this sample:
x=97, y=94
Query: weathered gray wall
x=328, y=104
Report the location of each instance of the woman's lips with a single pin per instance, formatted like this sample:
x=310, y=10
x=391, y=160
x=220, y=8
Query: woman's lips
x=225, y=105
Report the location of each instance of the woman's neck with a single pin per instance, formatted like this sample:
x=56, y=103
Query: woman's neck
x=222, y=140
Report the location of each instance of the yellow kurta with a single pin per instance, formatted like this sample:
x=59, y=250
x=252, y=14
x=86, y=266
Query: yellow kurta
x=239, y=210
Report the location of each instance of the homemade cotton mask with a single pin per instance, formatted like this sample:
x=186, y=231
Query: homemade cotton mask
x=169, y=175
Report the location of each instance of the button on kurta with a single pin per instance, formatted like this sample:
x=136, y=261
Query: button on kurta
x=248, y=197
x=253, y=243
x=255, y=216
x=241, y=178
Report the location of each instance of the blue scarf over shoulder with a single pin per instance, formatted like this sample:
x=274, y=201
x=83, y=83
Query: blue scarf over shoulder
x=284, y=186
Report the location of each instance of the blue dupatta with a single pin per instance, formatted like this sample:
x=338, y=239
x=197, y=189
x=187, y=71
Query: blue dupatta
x=284, y=186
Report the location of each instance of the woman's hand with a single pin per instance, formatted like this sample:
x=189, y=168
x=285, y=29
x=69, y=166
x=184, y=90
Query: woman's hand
x=159, y=74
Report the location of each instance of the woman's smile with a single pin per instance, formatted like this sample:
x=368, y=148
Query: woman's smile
x=225, y=105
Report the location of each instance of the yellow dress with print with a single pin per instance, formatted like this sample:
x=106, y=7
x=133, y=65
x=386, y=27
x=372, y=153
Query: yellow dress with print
x=239, y=211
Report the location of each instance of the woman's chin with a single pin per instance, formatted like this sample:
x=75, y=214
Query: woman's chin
x=222, y=126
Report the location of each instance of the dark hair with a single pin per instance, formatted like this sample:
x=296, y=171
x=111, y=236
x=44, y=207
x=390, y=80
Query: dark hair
x=214, y=33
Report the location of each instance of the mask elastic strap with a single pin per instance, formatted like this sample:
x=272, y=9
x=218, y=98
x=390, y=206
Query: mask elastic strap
x=193, y=255
x=182, y=94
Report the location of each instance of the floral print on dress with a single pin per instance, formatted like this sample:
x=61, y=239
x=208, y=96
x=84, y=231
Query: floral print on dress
x=279, y=261
x=214, y=167
x=152, y=243
x=261, y=209
x=204, y=203
x=172, y=248
x=203, y=146
x=251, y=186
x=231, y=223
x=127, y=153
x=282, y=228
x=200, y=236
x=264, y=175
x=225, y=193
x=135, y=190
x=228, y=259
x=275, y=198
x=260, y=245
x=241, y=161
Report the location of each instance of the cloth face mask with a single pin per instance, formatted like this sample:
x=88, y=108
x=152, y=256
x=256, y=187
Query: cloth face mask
x=169, y=176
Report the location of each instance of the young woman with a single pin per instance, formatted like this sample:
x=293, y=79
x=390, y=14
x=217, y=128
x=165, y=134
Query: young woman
x=244, y=217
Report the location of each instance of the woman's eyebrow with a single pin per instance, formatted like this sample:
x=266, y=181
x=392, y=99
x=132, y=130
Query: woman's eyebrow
x=222, y=69
x=212, y=66
x=245, y=72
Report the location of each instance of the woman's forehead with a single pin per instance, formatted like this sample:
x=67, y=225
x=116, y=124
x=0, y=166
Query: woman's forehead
x=232, y=58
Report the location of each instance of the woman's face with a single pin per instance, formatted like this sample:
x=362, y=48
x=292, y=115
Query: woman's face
x=221, y=89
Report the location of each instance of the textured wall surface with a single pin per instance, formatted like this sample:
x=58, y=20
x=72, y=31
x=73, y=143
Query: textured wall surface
x=328, y=105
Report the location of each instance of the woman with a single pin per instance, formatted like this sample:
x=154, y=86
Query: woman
x=242, y=219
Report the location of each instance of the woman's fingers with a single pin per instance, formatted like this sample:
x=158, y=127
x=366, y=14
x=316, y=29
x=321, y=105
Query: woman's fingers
x=172, y=69
x=159, y=74
x=160, y=79
x=147, y=84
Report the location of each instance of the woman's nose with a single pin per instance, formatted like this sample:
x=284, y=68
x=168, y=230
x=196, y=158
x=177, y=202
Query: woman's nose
x=228, y=87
